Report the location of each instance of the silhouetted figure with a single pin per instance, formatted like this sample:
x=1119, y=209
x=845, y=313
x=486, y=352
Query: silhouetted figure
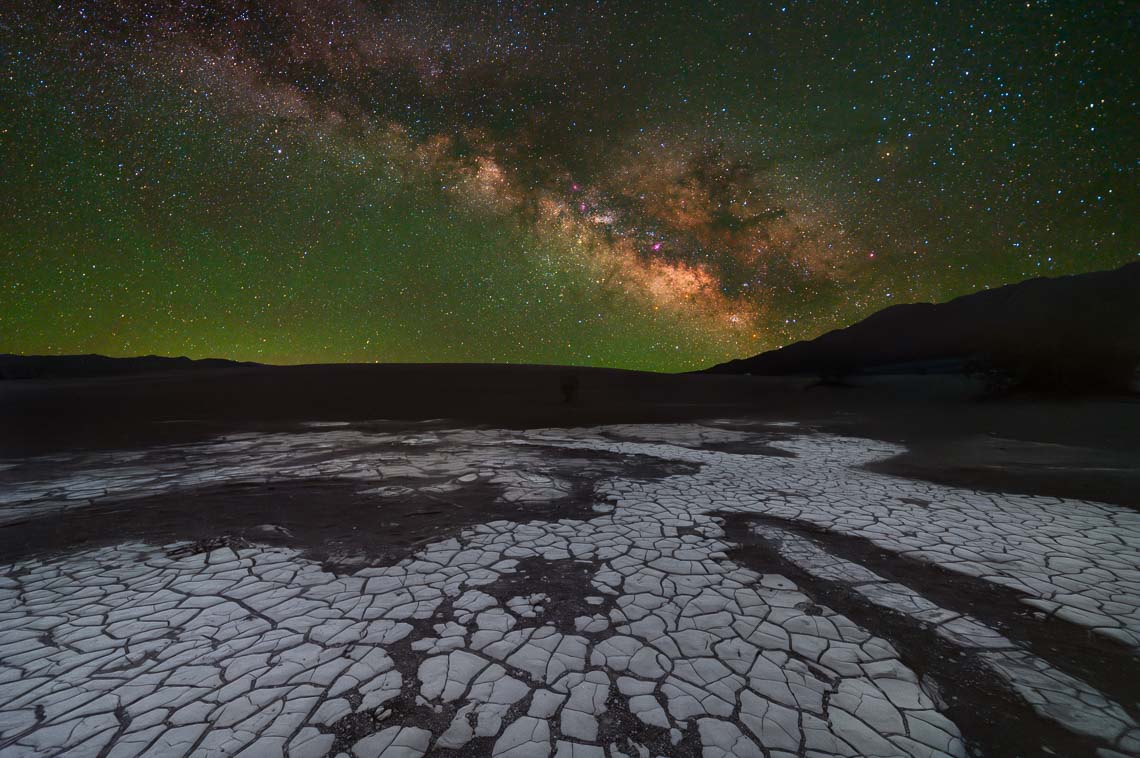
x=569, y=387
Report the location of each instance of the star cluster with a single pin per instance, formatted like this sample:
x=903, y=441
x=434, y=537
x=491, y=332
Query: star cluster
x=656, y=185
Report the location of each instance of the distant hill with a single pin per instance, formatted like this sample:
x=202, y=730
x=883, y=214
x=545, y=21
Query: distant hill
x=1058, y=327
x=76, y=366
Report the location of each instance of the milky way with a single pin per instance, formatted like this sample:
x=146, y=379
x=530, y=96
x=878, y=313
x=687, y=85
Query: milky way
x=648, y=185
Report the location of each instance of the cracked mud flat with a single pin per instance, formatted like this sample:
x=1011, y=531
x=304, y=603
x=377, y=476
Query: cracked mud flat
x=704, y=589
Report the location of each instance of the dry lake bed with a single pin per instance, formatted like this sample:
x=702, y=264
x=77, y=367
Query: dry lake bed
x=716, y=588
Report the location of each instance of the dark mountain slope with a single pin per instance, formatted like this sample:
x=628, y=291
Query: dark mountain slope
x=79, y=366
x=1040, y=325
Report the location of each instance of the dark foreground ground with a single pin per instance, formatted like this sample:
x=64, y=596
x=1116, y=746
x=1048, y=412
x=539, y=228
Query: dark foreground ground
x=503, y=561
x=1084, y=448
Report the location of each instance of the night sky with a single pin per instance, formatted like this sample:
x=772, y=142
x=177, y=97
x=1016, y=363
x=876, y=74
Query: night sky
x=656, y=185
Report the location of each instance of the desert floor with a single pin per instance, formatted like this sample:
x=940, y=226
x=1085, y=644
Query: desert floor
x=396, y=561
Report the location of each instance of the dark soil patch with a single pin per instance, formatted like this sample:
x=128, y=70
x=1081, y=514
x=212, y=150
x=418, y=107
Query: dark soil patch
x=566, y=584
x=1010, y=466
x=329, y=520
x=749, y=447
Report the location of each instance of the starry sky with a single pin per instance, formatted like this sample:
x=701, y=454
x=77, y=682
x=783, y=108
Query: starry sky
x=652, y=185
